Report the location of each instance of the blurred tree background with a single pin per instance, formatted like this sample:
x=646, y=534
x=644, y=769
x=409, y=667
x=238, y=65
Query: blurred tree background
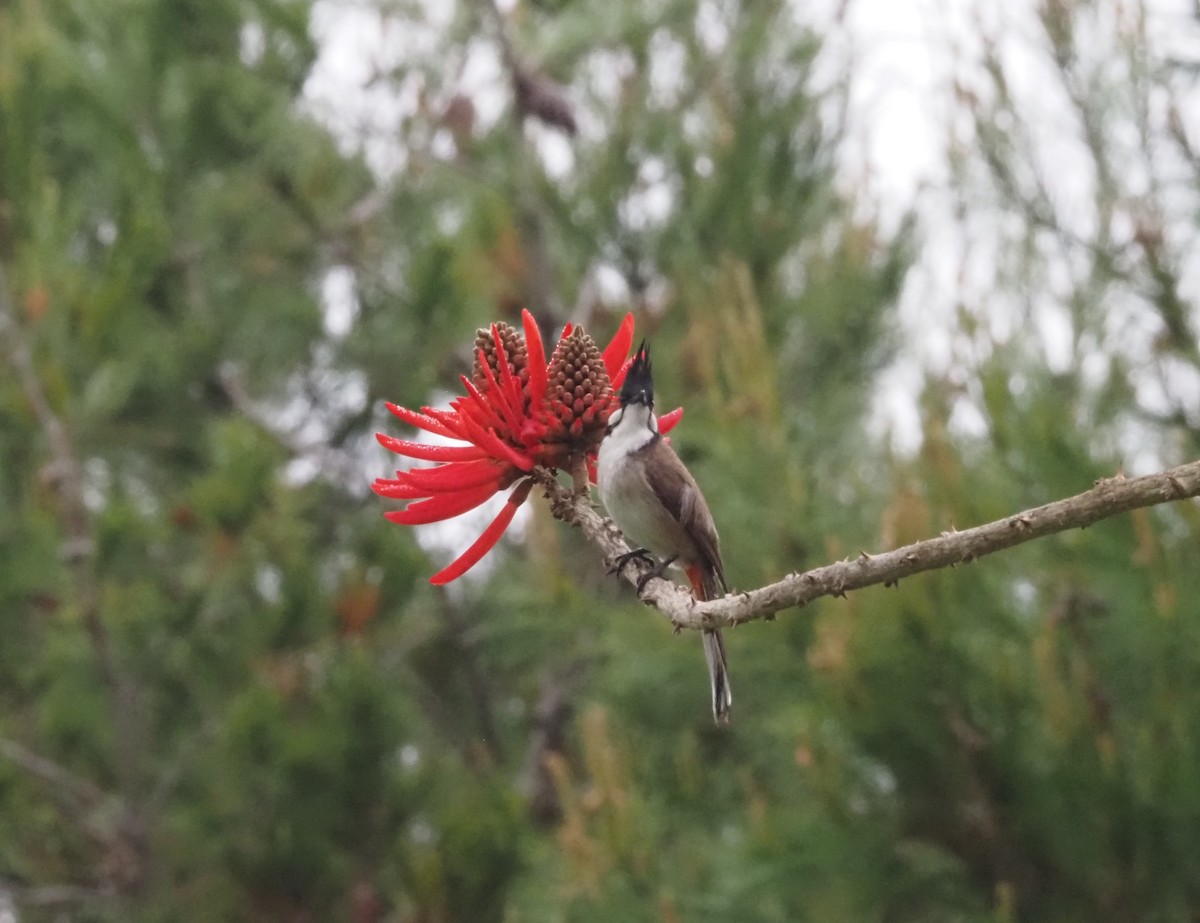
x=227, y=691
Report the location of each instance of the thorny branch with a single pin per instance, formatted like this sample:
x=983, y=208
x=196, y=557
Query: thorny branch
x=1109, y=497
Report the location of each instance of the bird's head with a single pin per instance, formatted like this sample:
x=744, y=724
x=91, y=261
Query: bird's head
x=639, y=382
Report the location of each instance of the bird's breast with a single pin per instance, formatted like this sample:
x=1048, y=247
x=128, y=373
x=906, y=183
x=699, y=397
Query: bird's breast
x=634, y=507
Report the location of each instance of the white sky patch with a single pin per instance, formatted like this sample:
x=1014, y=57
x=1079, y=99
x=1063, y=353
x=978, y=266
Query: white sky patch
x=554, y=150
x=373, y=72
x=905, y=60
x=485, y=82
x=611, y=285
x=106, y=232
x=900, y=57
x=349, y=90
x=652, y=199
x=339, y=301
x=667, y=58
x=268, y=581
x=252, y=44
x=711, y=27
x=1055, y=330
x=408, y=757
x=899, y=66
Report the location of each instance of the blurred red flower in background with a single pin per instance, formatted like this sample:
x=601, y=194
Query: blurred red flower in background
x=520, y=411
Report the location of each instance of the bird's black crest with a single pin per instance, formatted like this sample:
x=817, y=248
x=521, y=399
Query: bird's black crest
x=639, y=382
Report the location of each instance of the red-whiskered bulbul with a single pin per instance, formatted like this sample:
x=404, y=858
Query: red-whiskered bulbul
x=654, y=500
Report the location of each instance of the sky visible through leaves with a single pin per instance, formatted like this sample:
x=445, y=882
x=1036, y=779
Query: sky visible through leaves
x=906, y=59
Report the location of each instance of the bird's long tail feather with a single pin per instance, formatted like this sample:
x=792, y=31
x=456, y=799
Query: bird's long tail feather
x=718, y=676
x=706, y=585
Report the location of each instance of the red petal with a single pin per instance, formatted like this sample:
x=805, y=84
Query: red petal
x=487, y=541
x=427, y=423
x=451, y=420
x=497, y=398
x=455, y=476
x=537, y=359
x=619, y=378
x=512, y=387
x=425, y=452
x=496, y=447
x=397, y=490
x=667, y=421
x=618, y=349
x=567, y=330
x=443, y=506
x=487, y=415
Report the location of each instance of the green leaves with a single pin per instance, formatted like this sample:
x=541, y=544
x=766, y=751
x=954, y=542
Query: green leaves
x=318, y=733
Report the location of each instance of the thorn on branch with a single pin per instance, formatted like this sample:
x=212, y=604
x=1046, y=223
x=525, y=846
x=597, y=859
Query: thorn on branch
x=863, y=556
x=911, y=558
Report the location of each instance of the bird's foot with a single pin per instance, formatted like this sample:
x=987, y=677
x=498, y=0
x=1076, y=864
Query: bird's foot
x=658, y=571
x=641, y=555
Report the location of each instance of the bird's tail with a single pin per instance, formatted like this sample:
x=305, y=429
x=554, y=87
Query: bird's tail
x=718, y=676
x=705, y=586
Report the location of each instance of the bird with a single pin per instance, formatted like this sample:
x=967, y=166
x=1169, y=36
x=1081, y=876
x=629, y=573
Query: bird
x=653, y=498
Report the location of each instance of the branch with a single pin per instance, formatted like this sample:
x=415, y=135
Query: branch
x=335, y=464
x=548, y=735
x=79, y=552
x=82, y=792
x=1109, y=497
x=55, y=896
x=81, y=802
x=67, y=478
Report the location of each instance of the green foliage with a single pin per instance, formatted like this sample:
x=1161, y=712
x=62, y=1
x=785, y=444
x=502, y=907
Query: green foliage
x=227, y=691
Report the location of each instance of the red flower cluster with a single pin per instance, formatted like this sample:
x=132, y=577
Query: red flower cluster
x=519, y=412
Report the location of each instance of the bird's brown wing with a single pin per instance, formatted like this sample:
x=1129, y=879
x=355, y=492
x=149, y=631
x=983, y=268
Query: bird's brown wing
x=675, y=487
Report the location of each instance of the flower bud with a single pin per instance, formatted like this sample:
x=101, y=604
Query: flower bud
x=579, y=395
x=514, y=350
